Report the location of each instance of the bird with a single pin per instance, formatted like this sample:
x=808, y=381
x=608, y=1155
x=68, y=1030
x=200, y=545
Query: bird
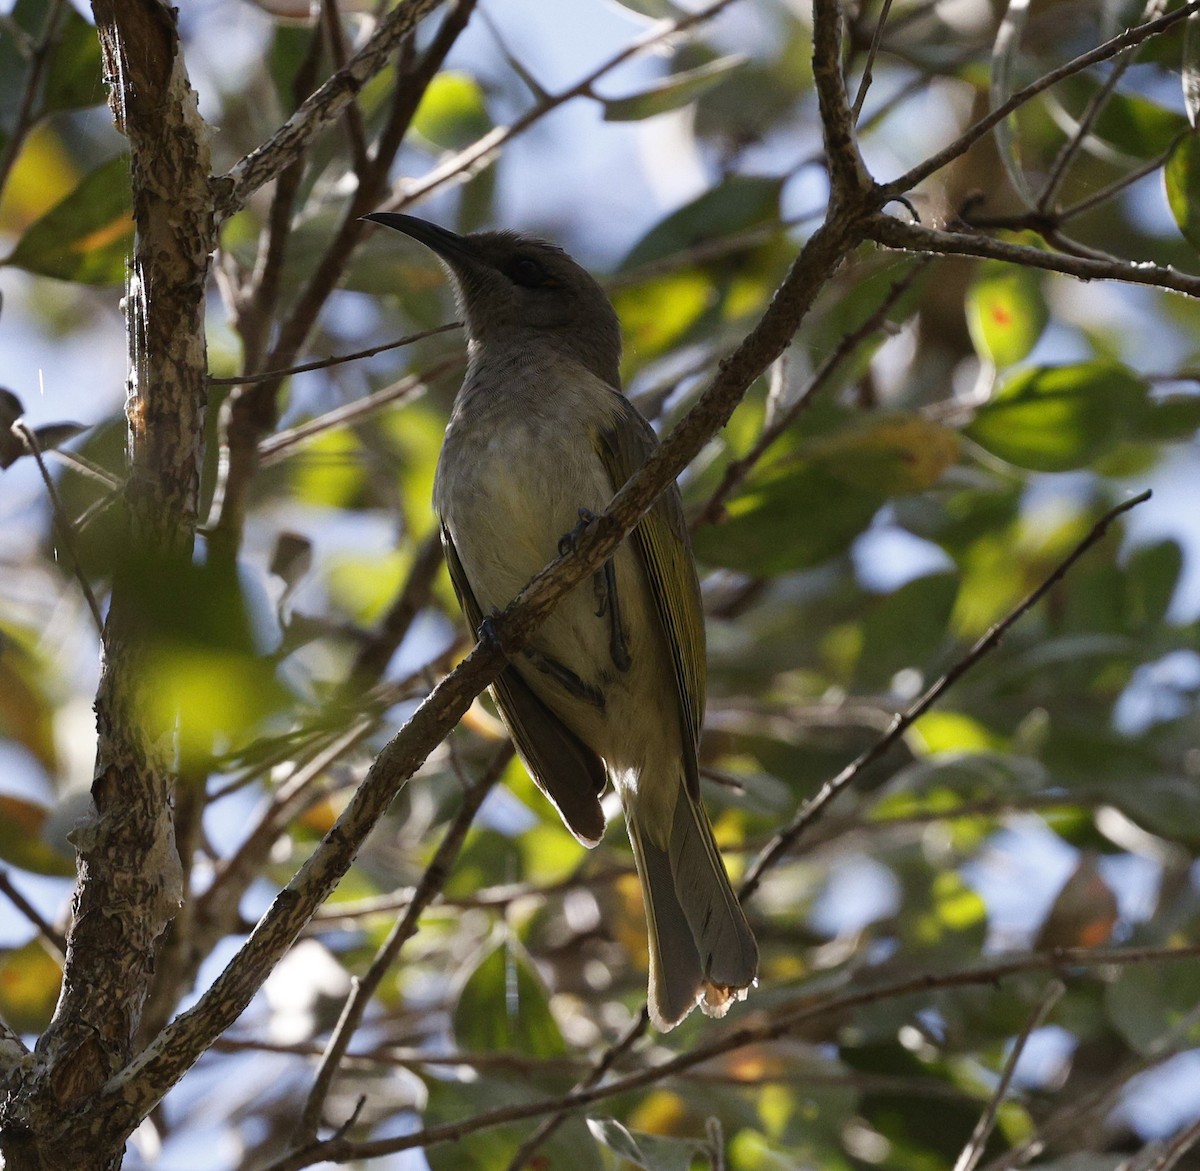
x=611, y=687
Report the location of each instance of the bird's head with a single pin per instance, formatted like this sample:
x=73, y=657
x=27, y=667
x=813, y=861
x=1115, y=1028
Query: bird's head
x=515, y=289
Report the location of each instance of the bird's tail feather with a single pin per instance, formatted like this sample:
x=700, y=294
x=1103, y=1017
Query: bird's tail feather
x=701, y=948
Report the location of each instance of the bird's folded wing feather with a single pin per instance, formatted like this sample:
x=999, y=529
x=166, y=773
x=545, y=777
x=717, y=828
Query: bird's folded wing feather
x=564, y=768
x=661, y=541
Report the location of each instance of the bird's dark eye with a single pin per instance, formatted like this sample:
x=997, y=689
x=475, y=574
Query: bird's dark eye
x=526, y=271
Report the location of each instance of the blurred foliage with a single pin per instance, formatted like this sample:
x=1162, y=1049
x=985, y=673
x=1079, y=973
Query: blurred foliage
x=978, y=421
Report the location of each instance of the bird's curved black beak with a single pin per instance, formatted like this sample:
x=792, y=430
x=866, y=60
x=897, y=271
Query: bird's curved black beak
x=450, y=246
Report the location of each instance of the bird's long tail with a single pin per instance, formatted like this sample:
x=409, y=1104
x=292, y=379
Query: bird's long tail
x=701, y=948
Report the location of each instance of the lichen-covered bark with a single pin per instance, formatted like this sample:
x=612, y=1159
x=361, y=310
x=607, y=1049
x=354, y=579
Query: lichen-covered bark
x=129, y=874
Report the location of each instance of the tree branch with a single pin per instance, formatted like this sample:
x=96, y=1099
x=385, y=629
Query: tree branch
x=1131, y=36
x=322, y=109
x=780, y=1023
x=906, y=237
x=813, y=808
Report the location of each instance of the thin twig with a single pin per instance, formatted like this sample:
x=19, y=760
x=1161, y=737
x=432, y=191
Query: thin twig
x=908, y=237
x=473, y=158
x=813, y=808
x=1174, y=1149
x=868, y=68
x=595, y=1075
x=739, y=469
x=45, y=929
x=432, y=881
x=337, y=360
x=1110, y=48
x=1093, y=110
x=275, y=447
x=39, y=57
x=968, y=1160
x=758, y=1031
x=332, y=20
x=1097, y=1102
x=65, y=532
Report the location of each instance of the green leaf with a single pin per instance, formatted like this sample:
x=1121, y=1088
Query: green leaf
x=1058, y=418
x=1137, y=127
x=1181, y=177
x=87, y=236
x=331, y=472
x=801, y=511
x=452, y=113
x=503, y=1008
x=650, y=1151
x=740, y=202
x=672, y=92
x=29, y=981
x=906, y=628
x=75, y=78
x=657, y=313
x=1147, y=1000
x=795, y=518
x=1006, y=312
x=289, y=48
x=21, y=841
x=1152, y=574
x=1173, y=416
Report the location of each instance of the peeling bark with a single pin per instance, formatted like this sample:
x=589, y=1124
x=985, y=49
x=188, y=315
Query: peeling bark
x=129, y=873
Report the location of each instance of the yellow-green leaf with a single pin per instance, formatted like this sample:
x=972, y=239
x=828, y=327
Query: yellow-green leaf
x=1006, y=313
x=87, y=236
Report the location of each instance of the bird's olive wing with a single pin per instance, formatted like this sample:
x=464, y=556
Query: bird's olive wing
x=563, y=767
x=661, y=541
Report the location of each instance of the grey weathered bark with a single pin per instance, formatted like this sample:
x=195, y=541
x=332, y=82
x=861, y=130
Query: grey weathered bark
x=129, y=875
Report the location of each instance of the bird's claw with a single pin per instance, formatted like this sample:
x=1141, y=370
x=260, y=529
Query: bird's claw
x=568, y=541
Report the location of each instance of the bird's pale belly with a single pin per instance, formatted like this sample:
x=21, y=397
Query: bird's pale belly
x=506, y=519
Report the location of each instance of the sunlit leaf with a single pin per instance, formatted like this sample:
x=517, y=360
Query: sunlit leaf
x=1006, y=312
x=363, y=585
x=893, y=454
x=1182, y=178
x=672, y=92
x=502, y=1007
x=87, y=236
x=213, y=697
x=21, y=842
x=330, y=472
x=657, y=313
x=26, y=710
x=452, y=112
x=941, y=731
x=1057, y=418
x=29, y=980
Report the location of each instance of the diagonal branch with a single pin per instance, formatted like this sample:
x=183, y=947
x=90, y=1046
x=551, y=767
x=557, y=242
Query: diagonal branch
x=321, y=110
x=812, y=809
x=1118, y=44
